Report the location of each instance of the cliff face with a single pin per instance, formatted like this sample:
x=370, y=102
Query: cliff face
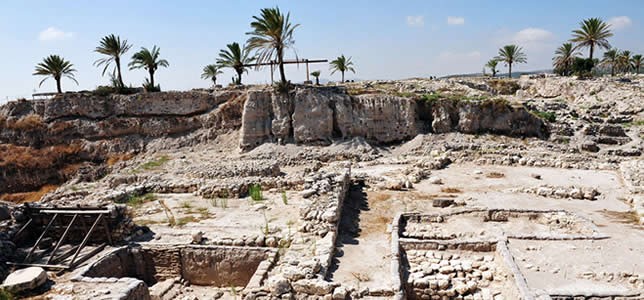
x=49, y=141
x=321, y=115
x=317, y=116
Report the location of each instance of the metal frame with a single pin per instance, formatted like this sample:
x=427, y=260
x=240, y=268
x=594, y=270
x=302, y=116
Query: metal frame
x=54, y=261
x=273, y=63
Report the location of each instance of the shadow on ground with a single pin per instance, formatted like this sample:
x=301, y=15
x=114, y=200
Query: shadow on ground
x=349, y=229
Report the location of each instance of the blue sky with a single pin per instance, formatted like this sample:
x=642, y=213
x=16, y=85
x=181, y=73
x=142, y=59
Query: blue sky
x=387, y=39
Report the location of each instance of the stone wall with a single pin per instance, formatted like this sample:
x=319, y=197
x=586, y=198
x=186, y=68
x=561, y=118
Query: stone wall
x=221, y=267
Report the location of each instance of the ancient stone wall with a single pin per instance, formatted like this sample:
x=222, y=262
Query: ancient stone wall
x=222, y=267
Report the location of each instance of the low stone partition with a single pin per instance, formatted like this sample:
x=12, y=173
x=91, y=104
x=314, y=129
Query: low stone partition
x=476, y=224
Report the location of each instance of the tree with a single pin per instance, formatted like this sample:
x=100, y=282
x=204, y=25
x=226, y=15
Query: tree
x=511, y=54
x=593, y=33
x=636, y=62
x=56, y=67
x=272, y=34
x=236, y=58
x=114, y=48
x=611, y=58
x=492, y=63
x=342, y=64
x=316, y=74
x=148, y=60
x=564, y=58
x=624, y=61
x=211, y=72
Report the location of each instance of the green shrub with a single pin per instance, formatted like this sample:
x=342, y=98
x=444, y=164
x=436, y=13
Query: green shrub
x=5, y=295
x=154, y=163
x=136, y=201
x=583, y=67
x=255, y=192
x=546, y=115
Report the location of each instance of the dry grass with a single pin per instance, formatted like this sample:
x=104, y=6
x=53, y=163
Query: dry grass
x=27, y=123
x=625, y=217
x=379, y=196
x=12, y=156
x=494, y=175
x=28, y=196
x=362, y=277
x=451, y=190
x=118, y=157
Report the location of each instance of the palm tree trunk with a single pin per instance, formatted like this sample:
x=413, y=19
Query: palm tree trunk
x=317, y=80
x=152, y=79
x=239, y=77
x=118, y=69
x=214, y=81
x=612, y=70
x=592, y=47
x=281, y=65
x=60, y=91
x=343, y=76
x=510, y=70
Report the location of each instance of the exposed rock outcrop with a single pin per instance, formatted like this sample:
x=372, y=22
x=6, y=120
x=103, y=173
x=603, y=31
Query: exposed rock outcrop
x=320, y=115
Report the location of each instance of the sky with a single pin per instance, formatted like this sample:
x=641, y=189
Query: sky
x=386, y=39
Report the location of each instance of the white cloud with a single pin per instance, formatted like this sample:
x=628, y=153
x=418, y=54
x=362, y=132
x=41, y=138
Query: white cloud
x=532, y=35
x=621, y=22
x=54, y=34
x=415, y=21
x=455, y=20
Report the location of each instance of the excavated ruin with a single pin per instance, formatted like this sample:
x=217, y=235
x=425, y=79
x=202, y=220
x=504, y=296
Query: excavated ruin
x=415, y=189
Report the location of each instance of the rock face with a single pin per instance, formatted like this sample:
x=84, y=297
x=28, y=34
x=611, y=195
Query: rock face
x=50, y=141
x=320, y=115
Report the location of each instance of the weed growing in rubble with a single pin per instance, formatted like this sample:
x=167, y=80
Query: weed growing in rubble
x=186, y=205
x=255, y=192
x=220, y=202
x=284, y=198
x=5, y=295
x=136, y=201
x=265, y=229
x=153, y=164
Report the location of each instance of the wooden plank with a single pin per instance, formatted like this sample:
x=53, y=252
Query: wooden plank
x=71, y=212
x=22, y=229
x=89, y=233
x=44, y=266
x=31, y=252
x=62, y=239
x=98, y=249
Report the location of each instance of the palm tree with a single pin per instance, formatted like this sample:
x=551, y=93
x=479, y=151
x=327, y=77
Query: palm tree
x=624, y=61
x=342, y=64
x=510, y=54
x=236, y=58
x=149, y=60
x=611, y=58
x=593, y=32
x=636, y=62
x=316, y=74
x=211, y=72
x=114, y=48
x=564, y=57
x=492, y=63
x=272, y=34
x=56, y=67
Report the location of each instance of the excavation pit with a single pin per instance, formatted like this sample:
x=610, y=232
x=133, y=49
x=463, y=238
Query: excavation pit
x=168, y=269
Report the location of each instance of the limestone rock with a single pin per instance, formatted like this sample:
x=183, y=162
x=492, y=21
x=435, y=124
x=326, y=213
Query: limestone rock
x=25, y=279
